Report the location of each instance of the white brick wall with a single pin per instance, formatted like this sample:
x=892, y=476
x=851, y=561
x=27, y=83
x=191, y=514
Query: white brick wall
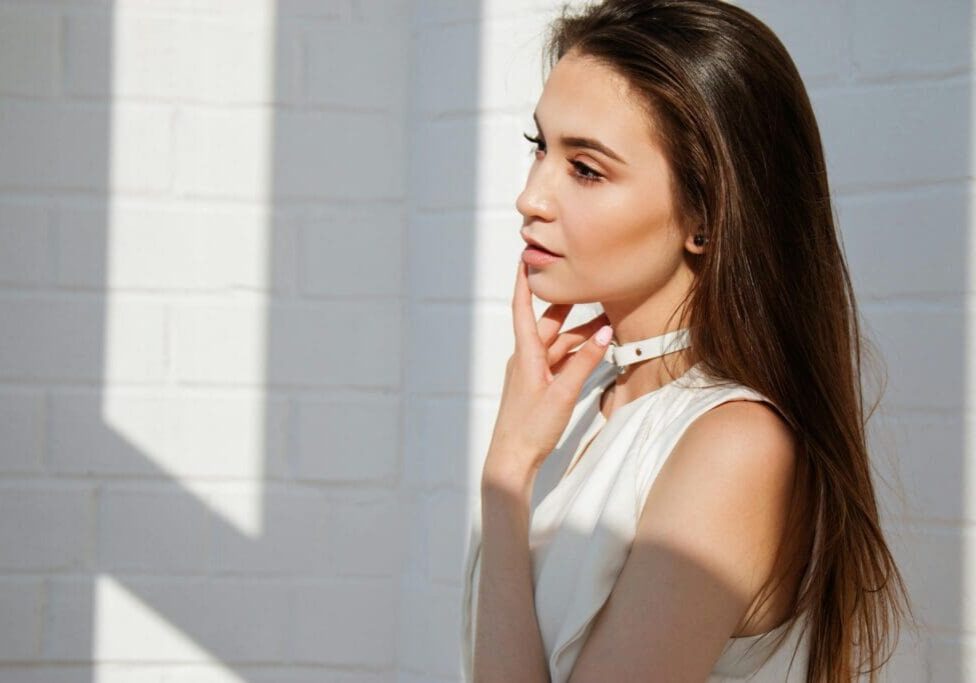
x=200, y=382
x=255, y=267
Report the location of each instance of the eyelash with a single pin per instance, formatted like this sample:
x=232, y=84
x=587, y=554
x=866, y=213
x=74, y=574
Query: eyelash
x=580, y=166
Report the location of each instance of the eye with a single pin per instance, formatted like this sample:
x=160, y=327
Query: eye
x=540, y=145
x=584, y=174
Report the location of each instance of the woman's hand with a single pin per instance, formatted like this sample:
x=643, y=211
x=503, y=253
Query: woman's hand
x=543, y=381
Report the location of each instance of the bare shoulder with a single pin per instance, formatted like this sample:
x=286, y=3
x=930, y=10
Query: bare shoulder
x=724, y=496
x=748, y=437
x=705, y=543
x=732, y=470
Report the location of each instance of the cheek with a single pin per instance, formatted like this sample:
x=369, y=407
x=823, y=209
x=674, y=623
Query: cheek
x=618, y=225
x=598, y=236
x=587, y=221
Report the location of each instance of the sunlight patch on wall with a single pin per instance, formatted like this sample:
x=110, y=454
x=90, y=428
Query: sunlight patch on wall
x=129, y=629
x=187, y=276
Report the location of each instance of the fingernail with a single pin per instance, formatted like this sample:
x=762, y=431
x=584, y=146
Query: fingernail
x=603, y=335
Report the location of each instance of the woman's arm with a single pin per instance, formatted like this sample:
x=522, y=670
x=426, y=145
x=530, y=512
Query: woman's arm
x=543, y=379
x=508, y=644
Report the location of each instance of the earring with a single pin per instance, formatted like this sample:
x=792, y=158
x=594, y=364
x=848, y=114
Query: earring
x=700, y=239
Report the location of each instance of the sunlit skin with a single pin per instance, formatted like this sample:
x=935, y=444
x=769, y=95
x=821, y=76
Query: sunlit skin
x=623, y=242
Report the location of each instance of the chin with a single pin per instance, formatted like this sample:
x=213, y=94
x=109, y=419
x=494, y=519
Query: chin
x=553, y=294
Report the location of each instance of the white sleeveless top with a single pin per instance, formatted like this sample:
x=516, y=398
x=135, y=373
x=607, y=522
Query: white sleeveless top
x=582, y=526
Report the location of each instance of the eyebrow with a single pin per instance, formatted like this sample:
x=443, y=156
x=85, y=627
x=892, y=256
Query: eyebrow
x=585, y=143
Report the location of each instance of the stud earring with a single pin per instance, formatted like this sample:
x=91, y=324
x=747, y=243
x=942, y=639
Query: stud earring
x=700, y=239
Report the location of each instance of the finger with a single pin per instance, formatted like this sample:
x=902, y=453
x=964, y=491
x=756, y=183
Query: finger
x=579, y=366
x=572, y=338
x=558, y=366
x=523, y=316
x=552, y=321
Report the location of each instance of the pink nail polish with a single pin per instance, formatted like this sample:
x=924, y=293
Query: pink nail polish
x=603, y=335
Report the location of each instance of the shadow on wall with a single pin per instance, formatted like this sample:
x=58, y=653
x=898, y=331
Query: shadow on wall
x=207, y=323
x=225, y=453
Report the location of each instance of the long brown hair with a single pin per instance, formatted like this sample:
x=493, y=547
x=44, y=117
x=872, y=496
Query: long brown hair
x=772, y=305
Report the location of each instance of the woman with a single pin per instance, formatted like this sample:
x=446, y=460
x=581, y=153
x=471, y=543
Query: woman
x=688, y=502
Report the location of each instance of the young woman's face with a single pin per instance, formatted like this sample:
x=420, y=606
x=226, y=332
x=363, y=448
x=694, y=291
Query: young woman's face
x=611, y=220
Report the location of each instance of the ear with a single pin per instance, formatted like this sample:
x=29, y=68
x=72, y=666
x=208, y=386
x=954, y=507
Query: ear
x=690, y=240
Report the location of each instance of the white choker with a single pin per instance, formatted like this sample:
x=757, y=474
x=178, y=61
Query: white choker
x=623, y=355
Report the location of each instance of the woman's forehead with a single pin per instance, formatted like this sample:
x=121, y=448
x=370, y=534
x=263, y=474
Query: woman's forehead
x=585, y=98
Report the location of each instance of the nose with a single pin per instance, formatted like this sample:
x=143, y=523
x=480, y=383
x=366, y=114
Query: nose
x=537, y=198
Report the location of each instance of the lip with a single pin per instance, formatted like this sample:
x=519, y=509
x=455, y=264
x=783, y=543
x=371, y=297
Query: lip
x=537, y=257
x=539, y=245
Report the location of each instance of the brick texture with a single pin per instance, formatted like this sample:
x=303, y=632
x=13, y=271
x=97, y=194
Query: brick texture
x=255, y=276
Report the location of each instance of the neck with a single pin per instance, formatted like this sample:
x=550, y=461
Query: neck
x=647, y=375
x=648, y=315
